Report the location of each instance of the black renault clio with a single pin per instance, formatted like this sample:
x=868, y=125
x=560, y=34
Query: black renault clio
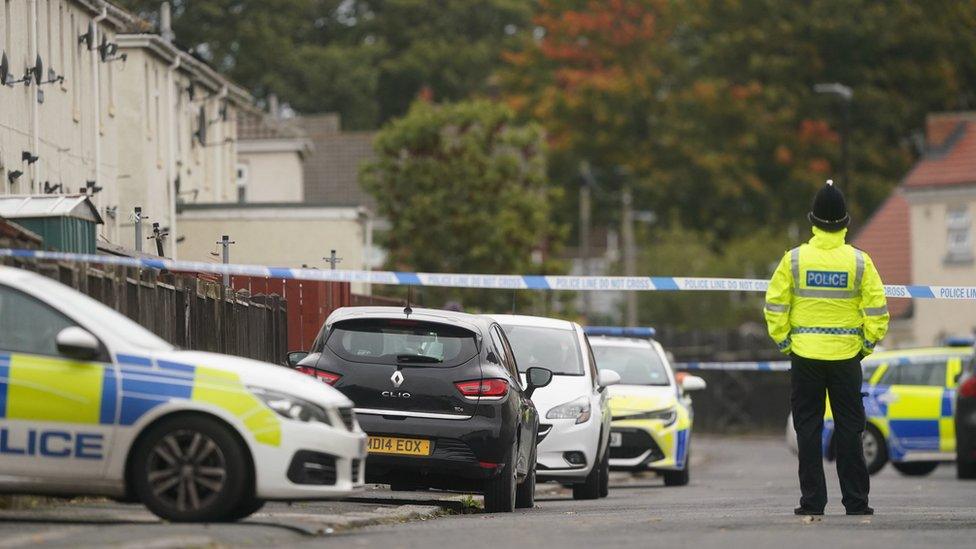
x=440, y=396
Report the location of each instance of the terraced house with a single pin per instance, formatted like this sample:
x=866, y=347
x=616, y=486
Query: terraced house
x=924, y=234
x=95, y=103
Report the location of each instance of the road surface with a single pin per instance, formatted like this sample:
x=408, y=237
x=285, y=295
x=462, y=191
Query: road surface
x=742, y=494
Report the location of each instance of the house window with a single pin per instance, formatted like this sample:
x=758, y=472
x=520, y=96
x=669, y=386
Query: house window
x=243, y=172
x=959, y=243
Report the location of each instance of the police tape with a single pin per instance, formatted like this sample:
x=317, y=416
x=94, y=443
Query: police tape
x=481, y=281
x=761, y=366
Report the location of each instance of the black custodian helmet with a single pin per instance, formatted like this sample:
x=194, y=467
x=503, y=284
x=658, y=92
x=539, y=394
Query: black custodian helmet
x=829, y=210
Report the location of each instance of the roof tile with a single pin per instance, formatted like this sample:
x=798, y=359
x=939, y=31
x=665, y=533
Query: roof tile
x=951, y=156
x=887, y=239
x=332, y=169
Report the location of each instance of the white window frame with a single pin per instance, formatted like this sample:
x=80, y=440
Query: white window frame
x=959, y=234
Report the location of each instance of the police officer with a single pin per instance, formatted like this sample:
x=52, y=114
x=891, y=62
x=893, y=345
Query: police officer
x=826, y=309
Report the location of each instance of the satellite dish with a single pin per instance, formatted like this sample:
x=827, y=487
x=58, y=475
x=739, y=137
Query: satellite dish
x=38, y=70
x=4, y=69
x=107, y=49
x=202, y=126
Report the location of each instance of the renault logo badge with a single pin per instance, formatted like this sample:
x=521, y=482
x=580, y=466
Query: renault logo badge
x=397, y=378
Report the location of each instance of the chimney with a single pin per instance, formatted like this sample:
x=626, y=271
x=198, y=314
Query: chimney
x=166, y=23
x=273, y=108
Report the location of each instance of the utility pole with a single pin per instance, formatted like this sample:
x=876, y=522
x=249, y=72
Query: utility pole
x=225, y=242
x=585, y=211
x=332, y=260
x=630, y=259
x=137, y=216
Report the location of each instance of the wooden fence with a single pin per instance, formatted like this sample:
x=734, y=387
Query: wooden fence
x=182, y=309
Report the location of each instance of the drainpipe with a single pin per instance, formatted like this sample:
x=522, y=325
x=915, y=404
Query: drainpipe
x=32, y=97
x=220, y=146
x=171, y=170
x=96, y=97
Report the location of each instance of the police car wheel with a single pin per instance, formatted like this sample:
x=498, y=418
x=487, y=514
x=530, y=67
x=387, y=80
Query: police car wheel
x=875, y=450
x=915, y=468
x=246, y=508
x=679, y=478
x=191, y=469
x=965, y=469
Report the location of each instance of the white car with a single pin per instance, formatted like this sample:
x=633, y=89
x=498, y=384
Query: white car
x=91, y=403
x=574, y=410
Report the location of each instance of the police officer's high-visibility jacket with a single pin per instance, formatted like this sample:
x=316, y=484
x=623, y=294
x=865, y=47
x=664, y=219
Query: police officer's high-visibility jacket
x=826, y=300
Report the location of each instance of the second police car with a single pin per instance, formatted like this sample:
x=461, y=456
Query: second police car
x=909, y=402
x=652, y=412
x=91, y=403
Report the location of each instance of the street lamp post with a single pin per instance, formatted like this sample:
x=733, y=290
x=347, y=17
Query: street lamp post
x=846, y=94
x=587, y=182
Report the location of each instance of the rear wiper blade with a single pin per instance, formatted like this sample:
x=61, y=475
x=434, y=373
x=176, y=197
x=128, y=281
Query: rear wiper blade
x=418, y=358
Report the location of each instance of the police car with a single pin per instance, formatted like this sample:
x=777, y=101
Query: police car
x=652, y=411
x=909, y=400
x=91, y=403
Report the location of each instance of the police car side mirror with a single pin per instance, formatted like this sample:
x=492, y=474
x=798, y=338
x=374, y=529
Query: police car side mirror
x=692, y=383
x=607, y=378
x=77, y=343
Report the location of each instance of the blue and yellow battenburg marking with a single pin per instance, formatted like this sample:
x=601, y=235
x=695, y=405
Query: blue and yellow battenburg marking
x=911, y=418
x=36, y=388
x=681, y=453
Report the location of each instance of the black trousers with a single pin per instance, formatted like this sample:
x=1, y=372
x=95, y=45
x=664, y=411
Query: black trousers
x=811, y=380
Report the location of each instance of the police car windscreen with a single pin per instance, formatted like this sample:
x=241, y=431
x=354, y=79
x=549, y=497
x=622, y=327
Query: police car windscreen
x=552, y=348
x=401, y=341
x=636, y=365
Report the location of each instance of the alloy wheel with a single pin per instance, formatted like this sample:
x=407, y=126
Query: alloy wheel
x=869, y=443
x=186, y=470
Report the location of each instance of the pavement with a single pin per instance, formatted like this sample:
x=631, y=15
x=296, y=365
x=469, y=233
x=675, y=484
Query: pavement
x=742, y=494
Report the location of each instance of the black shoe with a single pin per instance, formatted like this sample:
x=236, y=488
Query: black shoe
x=808, y=512
x=865, y=511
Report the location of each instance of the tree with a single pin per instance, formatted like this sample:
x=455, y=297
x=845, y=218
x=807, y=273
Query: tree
x=464, y=188
x=366, y=59
x=709, y=103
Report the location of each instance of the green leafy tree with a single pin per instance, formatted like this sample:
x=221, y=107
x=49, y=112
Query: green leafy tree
x=678, y=251
x=464, y=188
x=709, y=103
x=366, y=59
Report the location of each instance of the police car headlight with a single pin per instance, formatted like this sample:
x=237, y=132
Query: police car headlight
x=291, y=407
x=668, y=416
x=578, y=409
